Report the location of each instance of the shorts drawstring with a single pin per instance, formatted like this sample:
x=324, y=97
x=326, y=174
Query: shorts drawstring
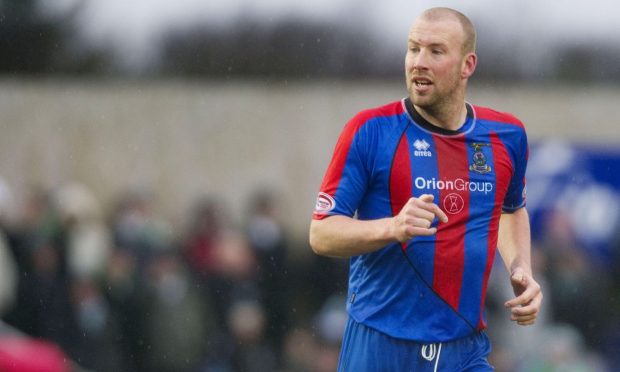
x=430, y=352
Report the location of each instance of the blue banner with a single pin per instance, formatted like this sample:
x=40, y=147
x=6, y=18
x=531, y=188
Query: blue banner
x=576, y=187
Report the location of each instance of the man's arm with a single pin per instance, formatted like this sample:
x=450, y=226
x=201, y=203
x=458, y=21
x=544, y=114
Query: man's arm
x=514, y=246
x=342, y=236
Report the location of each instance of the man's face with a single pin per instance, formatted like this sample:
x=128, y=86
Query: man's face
x=434, y=63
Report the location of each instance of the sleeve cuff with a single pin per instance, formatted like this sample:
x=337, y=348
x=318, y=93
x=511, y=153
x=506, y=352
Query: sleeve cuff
x=507, y=209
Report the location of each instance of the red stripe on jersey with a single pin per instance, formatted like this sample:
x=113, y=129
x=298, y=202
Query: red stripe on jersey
x=484, y=113
x=400, y=178
x=503, y=173
x=452, y=163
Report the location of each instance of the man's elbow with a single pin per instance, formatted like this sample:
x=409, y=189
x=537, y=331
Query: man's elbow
x=317, y=242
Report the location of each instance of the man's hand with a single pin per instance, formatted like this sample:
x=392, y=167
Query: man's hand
x=526, y=305
x=416, y=218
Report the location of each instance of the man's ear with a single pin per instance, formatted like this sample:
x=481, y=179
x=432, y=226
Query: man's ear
x=469, y=65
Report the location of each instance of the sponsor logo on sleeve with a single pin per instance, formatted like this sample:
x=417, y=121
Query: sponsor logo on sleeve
x=324, y=203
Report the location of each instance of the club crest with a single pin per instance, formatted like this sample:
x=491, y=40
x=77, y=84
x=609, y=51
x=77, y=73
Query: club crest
x=480, y=160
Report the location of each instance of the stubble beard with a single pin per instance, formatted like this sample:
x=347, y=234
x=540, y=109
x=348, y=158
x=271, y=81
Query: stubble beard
x=436, y=102
x=432, y=104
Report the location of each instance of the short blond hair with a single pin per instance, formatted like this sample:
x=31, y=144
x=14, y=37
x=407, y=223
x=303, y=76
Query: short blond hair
x=469, y=31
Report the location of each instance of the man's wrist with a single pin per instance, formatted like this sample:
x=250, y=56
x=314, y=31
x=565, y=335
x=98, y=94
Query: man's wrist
x=526, y=269
x=388, y=230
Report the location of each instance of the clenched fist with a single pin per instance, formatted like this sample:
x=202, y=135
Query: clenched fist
x=416, y=218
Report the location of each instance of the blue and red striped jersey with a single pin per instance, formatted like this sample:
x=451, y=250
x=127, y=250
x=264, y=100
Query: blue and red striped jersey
x=430, y=289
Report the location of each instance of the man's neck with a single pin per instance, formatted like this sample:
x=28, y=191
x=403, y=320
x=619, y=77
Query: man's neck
x=450, y=118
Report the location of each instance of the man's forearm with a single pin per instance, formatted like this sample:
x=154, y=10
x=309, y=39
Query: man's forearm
x=514, y=240
x=341, y=236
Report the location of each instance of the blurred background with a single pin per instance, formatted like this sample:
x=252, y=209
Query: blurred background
x=159, y=162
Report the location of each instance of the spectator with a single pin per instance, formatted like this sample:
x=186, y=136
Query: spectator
x=137, y=228
x=571, y=274
x=39, y=243
x=95, y=345
x=177, y=322
x=88, y=239
x=220, y=258
x=206, y=227
x=251, y=351
x=8, y=266
x=123, y=290
x=267, y=239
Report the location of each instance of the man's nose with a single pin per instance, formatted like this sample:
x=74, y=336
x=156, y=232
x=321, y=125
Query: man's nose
x=420, y=60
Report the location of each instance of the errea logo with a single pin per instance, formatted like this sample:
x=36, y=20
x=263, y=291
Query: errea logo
x=421, y=148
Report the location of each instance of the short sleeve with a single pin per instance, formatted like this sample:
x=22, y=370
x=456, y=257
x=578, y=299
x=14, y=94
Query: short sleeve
x=345, y=181
x=517, y=189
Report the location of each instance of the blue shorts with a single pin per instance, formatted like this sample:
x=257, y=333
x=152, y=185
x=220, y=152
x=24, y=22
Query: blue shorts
x=367, y=350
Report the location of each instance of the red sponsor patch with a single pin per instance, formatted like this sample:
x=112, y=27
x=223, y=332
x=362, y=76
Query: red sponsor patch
x=324, y=203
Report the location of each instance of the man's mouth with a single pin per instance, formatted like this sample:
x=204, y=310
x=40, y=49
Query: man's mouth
x=422, y=82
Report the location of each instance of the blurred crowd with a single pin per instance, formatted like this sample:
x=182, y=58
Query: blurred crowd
x=579, y=327
x=128, y=292
x=124, y=290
